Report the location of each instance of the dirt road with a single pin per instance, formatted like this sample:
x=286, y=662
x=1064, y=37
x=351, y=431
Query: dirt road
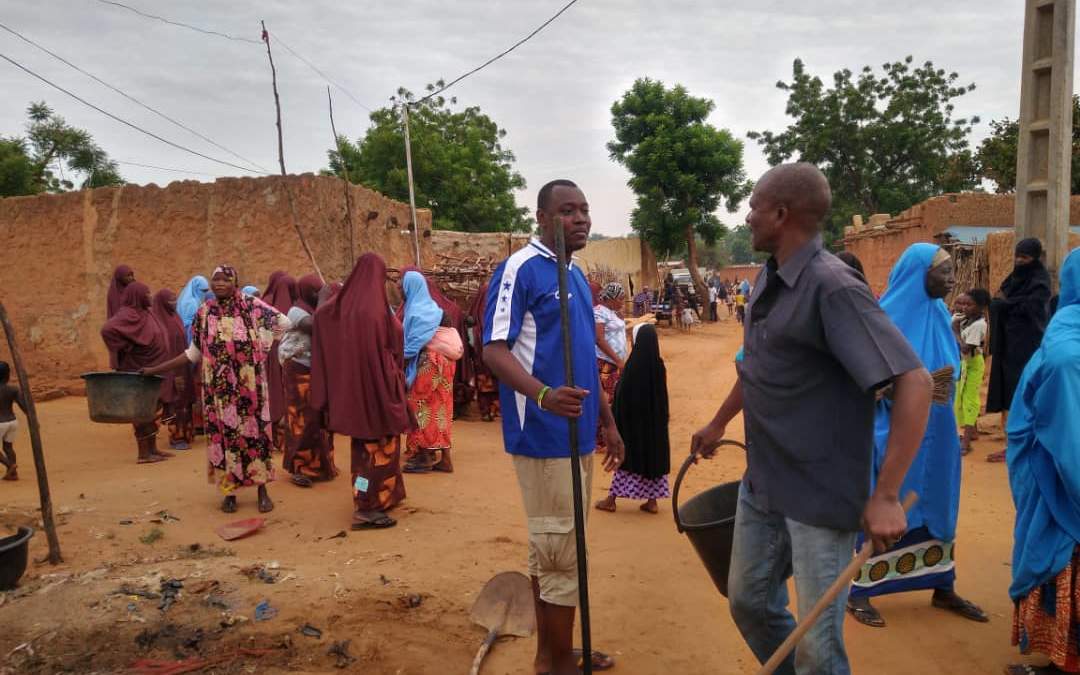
x=654, y=608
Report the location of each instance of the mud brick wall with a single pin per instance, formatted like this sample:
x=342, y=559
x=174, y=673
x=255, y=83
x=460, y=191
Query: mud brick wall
x=1000, y=254
x=57, y=252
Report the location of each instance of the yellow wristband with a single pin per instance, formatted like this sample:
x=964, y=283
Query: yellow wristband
x=540, y=396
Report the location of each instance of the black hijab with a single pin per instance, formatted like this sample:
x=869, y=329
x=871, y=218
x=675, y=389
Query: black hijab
x=641, y=408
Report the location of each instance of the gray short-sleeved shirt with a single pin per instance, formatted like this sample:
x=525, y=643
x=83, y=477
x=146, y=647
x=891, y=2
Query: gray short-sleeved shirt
x=809, y=372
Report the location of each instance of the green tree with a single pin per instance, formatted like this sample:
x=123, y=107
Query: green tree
x=740, y=248
x=461, y=170
x=996, y=155
x=884, y=142
x=53, y=157
x=681, y=168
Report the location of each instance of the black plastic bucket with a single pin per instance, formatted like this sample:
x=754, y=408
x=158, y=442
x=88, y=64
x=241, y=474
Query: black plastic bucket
x=13, y=556
x=708, y=520
x=118, y=398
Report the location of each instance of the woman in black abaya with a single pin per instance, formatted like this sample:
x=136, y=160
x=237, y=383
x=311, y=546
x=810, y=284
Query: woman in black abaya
x=1018, y=316
x=641, y=413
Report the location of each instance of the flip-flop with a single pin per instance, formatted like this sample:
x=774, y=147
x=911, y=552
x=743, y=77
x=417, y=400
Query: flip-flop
x=600, y=660
x=965, y=608
x=301, y=481
x=866, y=616
x=381, y=523
x=1024, y=669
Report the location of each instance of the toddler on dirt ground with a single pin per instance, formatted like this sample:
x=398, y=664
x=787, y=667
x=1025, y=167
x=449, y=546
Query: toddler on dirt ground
x=9, y=396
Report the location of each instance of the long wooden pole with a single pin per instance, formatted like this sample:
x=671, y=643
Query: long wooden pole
x=412, y=191
x=842, y=582
x=575, y=457
x=281, y=157
x=55, y=557
x=348, y=183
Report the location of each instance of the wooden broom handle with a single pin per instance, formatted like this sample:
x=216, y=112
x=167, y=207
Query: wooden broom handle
x=807, y=622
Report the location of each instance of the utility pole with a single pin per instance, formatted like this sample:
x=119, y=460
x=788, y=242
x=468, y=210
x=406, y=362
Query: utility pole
x=1044, y=155
x=412, y=191
x=348, y=183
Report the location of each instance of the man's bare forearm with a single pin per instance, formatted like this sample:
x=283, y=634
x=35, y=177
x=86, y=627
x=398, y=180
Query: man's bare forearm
x=731, y=406
x=507, y=369
x=910, y=411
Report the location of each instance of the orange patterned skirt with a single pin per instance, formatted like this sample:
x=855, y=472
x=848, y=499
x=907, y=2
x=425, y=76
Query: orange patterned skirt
x=377, y=481
x=1048, y=619
x=609, y=380
x=309, y=448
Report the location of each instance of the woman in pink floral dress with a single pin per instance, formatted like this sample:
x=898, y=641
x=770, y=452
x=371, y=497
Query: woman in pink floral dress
x=231, y=337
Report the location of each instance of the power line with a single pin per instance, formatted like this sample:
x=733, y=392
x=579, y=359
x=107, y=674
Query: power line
x=129, y=97
x=207, y=31
x=320, y=73
x=162, y=19
x=165, y=168
x=121, y=120
x=495, y=58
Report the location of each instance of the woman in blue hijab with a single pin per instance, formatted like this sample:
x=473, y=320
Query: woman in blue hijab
x=429, y=378
x=1044, y=474
x=923, y=558
x=191, y=297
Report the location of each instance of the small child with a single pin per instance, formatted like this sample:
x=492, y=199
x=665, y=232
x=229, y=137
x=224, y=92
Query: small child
x=9, y=396
x=740, y=307
x=969, y=326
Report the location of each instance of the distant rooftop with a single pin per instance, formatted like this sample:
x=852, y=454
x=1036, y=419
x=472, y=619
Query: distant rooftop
x=976, y=234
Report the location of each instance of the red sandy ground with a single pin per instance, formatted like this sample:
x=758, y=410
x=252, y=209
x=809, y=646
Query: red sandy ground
x=654, y=607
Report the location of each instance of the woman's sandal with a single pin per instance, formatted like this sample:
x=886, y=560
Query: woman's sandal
x=378, y=523
x=228, y=505
x=301, y=481
x=600, y=660
x=1024, y=669
x=867, y=615
x=965, y=608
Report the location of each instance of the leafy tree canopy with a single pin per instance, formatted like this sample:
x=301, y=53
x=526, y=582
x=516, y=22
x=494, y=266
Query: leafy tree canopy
x=461, y=169
x=681, y=167
x=885, y=142
x=996, y=155
x=53, y=157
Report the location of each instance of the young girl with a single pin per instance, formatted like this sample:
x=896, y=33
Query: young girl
x=969, y=326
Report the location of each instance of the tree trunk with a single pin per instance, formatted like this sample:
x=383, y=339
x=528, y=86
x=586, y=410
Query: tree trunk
x=695, y=275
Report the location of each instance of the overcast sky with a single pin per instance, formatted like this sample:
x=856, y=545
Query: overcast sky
x=553, y=94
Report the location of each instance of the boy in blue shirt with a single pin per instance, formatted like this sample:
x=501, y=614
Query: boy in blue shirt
x=523, y=348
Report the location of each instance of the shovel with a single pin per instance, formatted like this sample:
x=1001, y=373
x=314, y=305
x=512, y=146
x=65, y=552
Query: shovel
x=504, y=607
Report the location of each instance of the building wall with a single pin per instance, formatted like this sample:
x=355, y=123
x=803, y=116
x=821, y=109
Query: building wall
x=1000, y=254
x=880, y=247
x=629, y=256
x=736, y=273
x=59, y=251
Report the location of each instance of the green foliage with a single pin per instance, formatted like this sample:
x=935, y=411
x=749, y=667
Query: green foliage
x=996, y=155
x=52, y=156
x=740, y=248
x=885, y=142
x=461, y=170
x=681, y=167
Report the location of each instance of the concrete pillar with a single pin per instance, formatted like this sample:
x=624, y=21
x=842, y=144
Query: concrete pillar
x=1044, y=157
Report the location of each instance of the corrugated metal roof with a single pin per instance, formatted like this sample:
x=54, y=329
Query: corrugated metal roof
x=976, y=234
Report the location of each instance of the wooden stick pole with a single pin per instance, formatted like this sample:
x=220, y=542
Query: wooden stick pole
x=348, y=183
x=412, y=191
x=842, y=582
x=281, y=157
x=55, y=557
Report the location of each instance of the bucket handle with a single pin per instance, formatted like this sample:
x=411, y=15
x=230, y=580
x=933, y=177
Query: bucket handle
x=678, y=482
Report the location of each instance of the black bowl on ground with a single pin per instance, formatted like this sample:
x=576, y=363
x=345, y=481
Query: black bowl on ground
x=13, y=556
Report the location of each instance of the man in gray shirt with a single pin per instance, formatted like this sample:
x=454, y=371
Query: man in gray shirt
x=816, y=348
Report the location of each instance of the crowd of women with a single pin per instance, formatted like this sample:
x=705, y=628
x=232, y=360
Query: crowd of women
x=288, y=367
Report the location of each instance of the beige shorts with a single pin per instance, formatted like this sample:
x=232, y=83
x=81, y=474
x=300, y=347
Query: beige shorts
x=547, y=491
x=7, y=431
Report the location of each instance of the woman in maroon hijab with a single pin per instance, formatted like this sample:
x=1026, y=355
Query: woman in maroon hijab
x=135, y=341
x=358, y=379
x=280, y=294
x=123, y=275
x=178, y=389
x=487, y=387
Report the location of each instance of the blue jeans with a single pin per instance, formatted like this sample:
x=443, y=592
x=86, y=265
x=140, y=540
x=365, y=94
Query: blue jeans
x=768, y=547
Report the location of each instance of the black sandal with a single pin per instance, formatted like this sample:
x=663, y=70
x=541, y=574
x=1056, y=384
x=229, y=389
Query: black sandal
x=301, y=481
x=965, y=608
x=378, y=523
x=866, y=615
x=228, y=505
